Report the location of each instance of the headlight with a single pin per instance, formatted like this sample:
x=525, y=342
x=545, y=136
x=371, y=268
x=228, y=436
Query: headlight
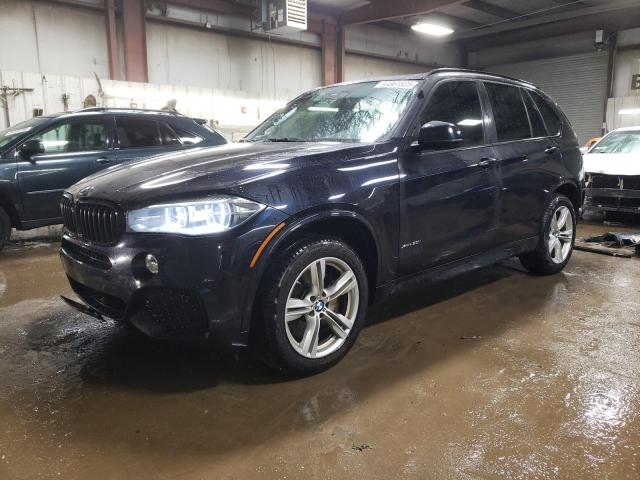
x=213, y=215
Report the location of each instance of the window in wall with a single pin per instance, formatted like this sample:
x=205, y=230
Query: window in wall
x=137, y=133
x=510, y=116
x=76, y=136
x=457, y=103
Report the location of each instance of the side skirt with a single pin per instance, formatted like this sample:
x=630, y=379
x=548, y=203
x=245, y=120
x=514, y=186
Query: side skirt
x=458, y=267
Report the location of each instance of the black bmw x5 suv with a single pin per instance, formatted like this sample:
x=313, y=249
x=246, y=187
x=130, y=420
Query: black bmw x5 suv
x=351, y=192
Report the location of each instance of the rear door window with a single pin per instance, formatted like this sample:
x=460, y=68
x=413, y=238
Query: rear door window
x=137, y=133
x=509, y=113
x=75, y=136
x=551, y=119
x=457, y=102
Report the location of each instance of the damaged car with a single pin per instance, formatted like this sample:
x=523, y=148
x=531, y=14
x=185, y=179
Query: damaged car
x=612, y=169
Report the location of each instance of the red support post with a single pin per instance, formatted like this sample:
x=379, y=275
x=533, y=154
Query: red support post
x=135, y=41
x=329, y=51
x=340, y=54
x=112, y=40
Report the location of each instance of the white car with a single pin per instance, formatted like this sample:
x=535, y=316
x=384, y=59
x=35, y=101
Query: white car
x=612, y=168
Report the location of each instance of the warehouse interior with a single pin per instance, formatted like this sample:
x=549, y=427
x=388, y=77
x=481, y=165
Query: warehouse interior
x=492, y=374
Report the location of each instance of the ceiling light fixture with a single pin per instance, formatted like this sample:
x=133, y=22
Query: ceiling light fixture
x=432, y=29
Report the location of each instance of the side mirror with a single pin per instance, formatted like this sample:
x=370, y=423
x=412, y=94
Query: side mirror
x=31, y=147
x=439, y=135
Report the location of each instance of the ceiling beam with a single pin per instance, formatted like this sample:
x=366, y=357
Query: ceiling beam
x=451, y=21
x=488, y=8
x=557, y=31
x=505, y=26
x=388, y=10
x=217, y=6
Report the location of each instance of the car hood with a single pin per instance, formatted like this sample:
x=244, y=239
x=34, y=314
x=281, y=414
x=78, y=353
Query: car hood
x=230, y=168
x=612, y=163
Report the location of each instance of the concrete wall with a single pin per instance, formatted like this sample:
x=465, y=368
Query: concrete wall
x=358, y=67
x=37, y=37
x=407, y=52
x=182, y=56
x=410, y=46
x=627, y=64
x=234, y=112
x=625, y=99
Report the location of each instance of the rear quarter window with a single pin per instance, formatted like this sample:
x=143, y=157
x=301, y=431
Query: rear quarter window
x=551, y=119
x=186, y=136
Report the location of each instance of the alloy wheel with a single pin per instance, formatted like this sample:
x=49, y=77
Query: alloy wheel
x=322, y=307
x=560, y=234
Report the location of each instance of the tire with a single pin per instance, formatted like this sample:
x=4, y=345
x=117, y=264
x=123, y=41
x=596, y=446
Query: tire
x=333, y=317
x=5, y=228
x=544, y=260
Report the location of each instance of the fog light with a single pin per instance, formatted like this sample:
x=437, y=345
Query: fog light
x=151, y=263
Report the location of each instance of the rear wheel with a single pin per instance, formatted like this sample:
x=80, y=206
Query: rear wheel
x=556, y=240
x=313, y=306
x=5, y=228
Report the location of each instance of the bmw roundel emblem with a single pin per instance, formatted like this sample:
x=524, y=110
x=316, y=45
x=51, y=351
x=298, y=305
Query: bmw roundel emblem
x=85, y=191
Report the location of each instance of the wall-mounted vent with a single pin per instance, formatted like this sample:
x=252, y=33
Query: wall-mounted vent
x=284, y=16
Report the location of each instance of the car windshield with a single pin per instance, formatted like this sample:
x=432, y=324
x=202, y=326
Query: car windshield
x=619, y=142
x=360, y=112
x=19, y=129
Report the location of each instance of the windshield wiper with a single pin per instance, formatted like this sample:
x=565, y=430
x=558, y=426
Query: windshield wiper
x=284, y=139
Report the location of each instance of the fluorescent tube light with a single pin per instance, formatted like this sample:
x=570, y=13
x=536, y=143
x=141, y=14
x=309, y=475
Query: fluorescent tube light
x=432, y=29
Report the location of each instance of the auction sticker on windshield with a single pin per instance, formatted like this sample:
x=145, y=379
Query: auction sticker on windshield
x=404, y=84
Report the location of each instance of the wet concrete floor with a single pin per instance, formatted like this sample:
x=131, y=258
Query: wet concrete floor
x=497, y=374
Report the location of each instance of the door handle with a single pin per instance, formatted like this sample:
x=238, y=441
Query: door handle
x=551, y=150
x=103, y=160
x=486, y=162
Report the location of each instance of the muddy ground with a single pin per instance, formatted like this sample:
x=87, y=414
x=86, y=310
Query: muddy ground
x=497, y=374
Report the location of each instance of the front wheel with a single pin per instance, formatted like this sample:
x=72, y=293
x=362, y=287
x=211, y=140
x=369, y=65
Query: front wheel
x=313, y=306
x=557, y=238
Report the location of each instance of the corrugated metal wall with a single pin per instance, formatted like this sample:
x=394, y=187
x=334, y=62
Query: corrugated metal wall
x=577, y=82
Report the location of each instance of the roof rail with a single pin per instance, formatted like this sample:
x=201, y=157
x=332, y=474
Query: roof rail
x=124, y=109
x=479, y=72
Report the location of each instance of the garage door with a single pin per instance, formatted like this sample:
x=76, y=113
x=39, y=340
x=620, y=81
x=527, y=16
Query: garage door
x=577, y=82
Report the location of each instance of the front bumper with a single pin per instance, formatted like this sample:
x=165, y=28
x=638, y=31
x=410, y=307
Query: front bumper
x=201, y=290
x=611, y=193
